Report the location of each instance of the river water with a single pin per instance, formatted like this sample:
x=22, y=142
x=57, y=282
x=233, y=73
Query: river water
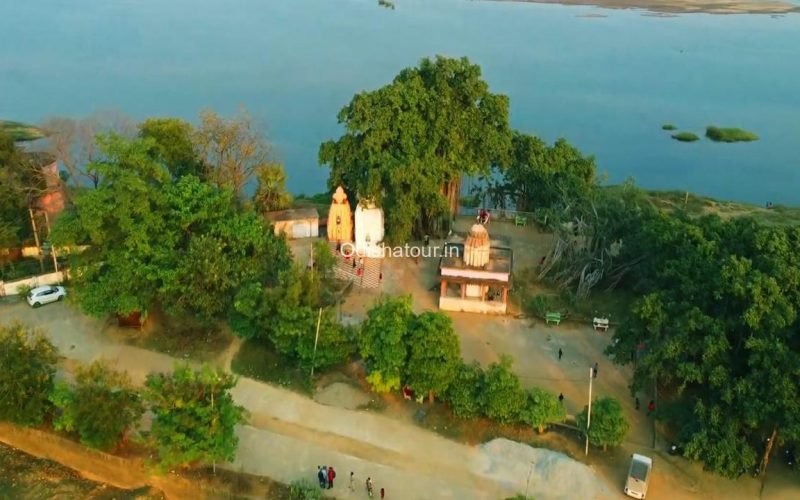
x=607, y=84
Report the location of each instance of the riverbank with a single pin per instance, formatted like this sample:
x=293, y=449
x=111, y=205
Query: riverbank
x=666, y=7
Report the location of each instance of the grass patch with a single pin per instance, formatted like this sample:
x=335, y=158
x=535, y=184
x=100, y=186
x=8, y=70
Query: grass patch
x=685, y=137
x=729, y=134
x=20, y=131
x=185, y=338
x=697, y=205
x=259, y=360
x=668, y=126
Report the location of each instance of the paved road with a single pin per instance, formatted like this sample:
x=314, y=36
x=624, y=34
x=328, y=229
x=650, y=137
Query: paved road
x=289, y=435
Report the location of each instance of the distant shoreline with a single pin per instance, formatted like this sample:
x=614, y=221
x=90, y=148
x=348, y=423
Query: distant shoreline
x=683, y=6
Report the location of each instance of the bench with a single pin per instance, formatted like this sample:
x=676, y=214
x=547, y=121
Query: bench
x=520, y=221
x=553, y=317
x=600, y=324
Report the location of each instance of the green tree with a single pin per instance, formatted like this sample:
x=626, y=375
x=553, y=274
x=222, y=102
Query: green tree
x=608, y=425
x=383, y=342
x=102, y=408
x=542, y=176
x=194, y=416
x=407, y=144
x=503, y=394
x=542, y=408
x=434, y=354
x=21, y=183
x=180, y=243
x=172, y=145
x=465, y=393
x=29, y=361
x=271, y=193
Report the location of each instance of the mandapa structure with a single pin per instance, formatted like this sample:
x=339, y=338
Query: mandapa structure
x=295, y=223
x=475, y=276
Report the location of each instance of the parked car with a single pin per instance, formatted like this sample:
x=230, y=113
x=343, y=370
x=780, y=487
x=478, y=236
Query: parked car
x=45, y=294
x=638, y=476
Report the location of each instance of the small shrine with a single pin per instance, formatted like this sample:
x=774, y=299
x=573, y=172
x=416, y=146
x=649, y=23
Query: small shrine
x=340, y=218
x=369, y=229
x=475, y=275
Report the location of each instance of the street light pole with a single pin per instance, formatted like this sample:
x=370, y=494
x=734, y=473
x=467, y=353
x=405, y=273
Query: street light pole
x=589, y=412
x=316, y=339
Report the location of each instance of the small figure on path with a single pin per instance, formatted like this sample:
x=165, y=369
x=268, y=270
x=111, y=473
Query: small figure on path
x=383, y=493
x=541, y=261
x=651, y=407
x=369, y=486
x=323, y=476
x=352, y=481
x=637, y=404
x=594, y=370
x=560, y=354
x=561, y=397
x=331, y=476
x=427, y=240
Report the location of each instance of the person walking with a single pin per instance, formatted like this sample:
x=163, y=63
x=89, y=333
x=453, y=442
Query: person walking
x=594, y=370
x=637, y=404
x=651, y=407
x=331, y=476
x=352, y=481
x=369, y=487
x=323, y=476
x=383, y=493
x=561, y=397
x=560, y=354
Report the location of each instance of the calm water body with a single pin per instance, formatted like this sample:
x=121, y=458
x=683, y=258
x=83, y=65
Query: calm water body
x=607, y=84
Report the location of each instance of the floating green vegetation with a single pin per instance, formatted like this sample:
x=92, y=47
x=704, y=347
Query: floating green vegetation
x=386, y=3
x=685, y=137
x=668, y=126
x=729, y=134
x=20, y=131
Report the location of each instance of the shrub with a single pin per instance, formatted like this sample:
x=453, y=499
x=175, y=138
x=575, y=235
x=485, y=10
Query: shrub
x=465, y=393
x=608, y=425
x=303, y=489
x=27, y=370
x=102, y=408
x=542, y=408
x=503, y=397
x=668, y=126
x=729, y=134
x=23, y=291
x=194, y=416
x=685, y=137
x=539, y=305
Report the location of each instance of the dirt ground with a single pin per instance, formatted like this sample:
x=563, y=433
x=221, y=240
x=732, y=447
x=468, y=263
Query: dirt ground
x=534, y=347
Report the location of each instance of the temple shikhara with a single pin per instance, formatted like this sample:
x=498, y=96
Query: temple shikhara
x=340, y=218
x=475, y=275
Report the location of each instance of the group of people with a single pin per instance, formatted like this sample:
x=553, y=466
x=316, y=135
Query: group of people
x=326, y=474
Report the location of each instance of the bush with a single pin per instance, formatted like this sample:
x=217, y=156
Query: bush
x=466, y=391
x=27, y=370
x=608, y=425
x=539, y=305
x=729, y=134
x=503, y=397
x=542, y=408
x=194, y=416
x=102, y=408
x=668, y=126
x=685, y=137
x=303, y=489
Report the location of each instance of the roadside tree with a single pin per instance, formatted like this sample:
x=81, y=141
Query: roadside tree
x=503, y=395
x=608, y=425
x=434, y=354
x=28, y=360
x=541, y=409
x=383, y=342
x=194, y=416
x=465, y=394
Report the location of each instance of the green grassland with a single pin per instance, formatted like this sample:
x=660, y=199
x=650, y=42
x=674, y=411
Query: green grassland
x=20, y=131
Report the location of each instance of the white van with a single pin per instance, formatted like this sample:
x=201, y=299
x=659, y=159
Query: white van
x=638, y=476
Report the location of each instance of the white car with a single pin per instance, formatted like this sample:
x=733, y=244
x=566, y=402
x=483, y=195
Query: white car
x=45, y=294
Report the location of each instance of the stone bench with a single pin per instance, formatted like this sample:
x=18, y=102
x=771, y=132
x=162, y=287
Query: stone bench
x=600, y=324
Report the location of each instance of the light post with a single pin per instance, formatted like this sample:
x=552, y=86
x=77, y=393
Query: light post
x=589, y=412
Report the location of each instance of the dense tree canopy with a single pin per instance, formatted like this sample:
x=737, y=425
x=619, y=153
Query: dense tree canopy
x=434, y=354
x=717, y=321
x=172, y=146
x=21, y=182
x=383, y=342
x=183, y=244
x=504, y=398
x=407, y=144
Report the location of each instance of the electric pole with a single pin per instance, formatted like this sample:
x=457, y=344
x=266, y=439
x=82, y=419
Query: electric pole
x=316, y=339
x=589, y=412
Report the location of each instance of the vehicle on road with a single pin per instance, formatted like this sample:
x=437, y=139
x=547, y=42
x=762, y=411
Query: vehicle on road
x=638, y=476
x=45, y=294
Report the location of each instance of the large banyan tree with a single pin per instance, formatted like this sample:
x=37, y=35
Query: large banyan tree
x=406, y=145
